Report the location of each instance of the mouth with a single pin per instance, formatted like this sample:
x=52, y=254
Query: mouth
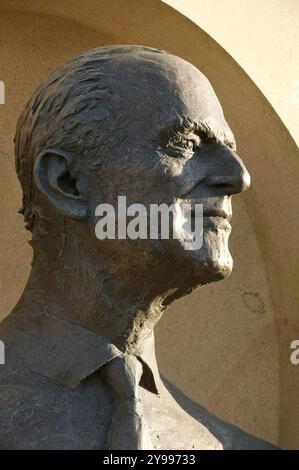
x=217, y=213
x=214, y=218
x=212, y=212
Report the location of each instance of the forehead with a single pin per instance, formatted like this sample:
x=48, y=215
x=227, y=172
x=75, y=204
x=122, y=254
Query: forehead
x=160, y=92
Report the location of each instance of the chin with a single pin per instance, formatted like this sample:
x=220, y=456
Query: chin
x=211, y=267
x=212, y=262
x=220, y=267
x=215, y=254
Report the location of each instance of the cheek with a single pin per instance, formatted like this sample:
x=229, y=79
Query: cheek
x=160, y=181
x=184, y=175
x=152, y=184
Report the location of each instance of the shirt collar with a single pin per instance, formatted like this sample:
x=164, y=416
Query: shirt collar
x=67, y=353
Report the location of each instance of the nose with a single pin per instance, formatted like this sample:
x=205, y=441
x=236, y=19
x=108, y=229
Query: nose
x=227, y=171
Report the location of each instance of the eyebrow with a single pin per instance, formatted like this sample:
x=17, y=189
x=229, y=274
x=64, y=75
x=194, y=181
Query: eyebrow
x=222, y=136
x=209, y=128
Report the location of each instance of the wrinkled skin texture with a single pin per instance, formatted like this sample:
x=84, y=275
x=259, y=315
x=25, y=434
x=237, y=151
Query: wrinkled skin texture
x=133, y=121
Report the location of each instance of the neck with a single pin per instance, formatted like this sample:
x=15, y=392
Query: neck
x=70, y=285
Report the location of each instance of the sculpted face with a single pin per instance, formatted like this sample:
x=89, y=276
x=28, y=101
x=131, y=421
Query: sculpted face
x=170, y=143
x=179, y=148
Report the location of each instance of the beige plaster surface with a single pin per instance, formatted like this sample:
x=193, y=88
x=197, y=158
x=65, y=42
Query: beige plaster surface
x=220, y=344
x=263, y=37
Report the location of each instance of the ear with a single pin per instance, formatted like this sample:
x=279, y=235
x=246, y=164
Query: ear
x=53, y=178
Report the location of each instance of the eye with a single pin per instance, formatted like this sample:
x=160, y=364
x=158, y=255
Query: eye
x=183, y=145
x=190, y=142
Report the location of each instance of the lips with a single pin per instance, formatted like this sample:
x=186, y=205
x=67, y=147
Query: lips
x=214, y=208
x=213, y=212
x=217, y=213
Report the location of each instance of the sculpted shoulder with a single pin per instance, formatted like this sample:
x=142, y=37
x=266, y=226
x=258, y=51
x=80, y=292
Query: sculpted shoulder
x=229, y=436
x=37, y=413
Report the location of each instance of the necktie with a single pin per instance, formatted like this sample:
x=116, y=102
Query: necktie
x=128, y=429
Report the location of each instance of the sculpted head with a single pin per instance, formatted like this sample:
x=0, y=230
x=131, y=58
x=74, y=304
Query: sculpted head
x=133, y=121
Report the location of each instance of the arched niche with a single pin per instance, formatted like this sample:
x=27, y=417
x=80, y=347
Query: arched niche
x=226, y=345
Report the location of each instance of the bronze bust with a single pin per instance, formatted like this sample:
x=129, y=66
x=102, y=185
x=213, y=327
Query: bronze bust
x=80, y=368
